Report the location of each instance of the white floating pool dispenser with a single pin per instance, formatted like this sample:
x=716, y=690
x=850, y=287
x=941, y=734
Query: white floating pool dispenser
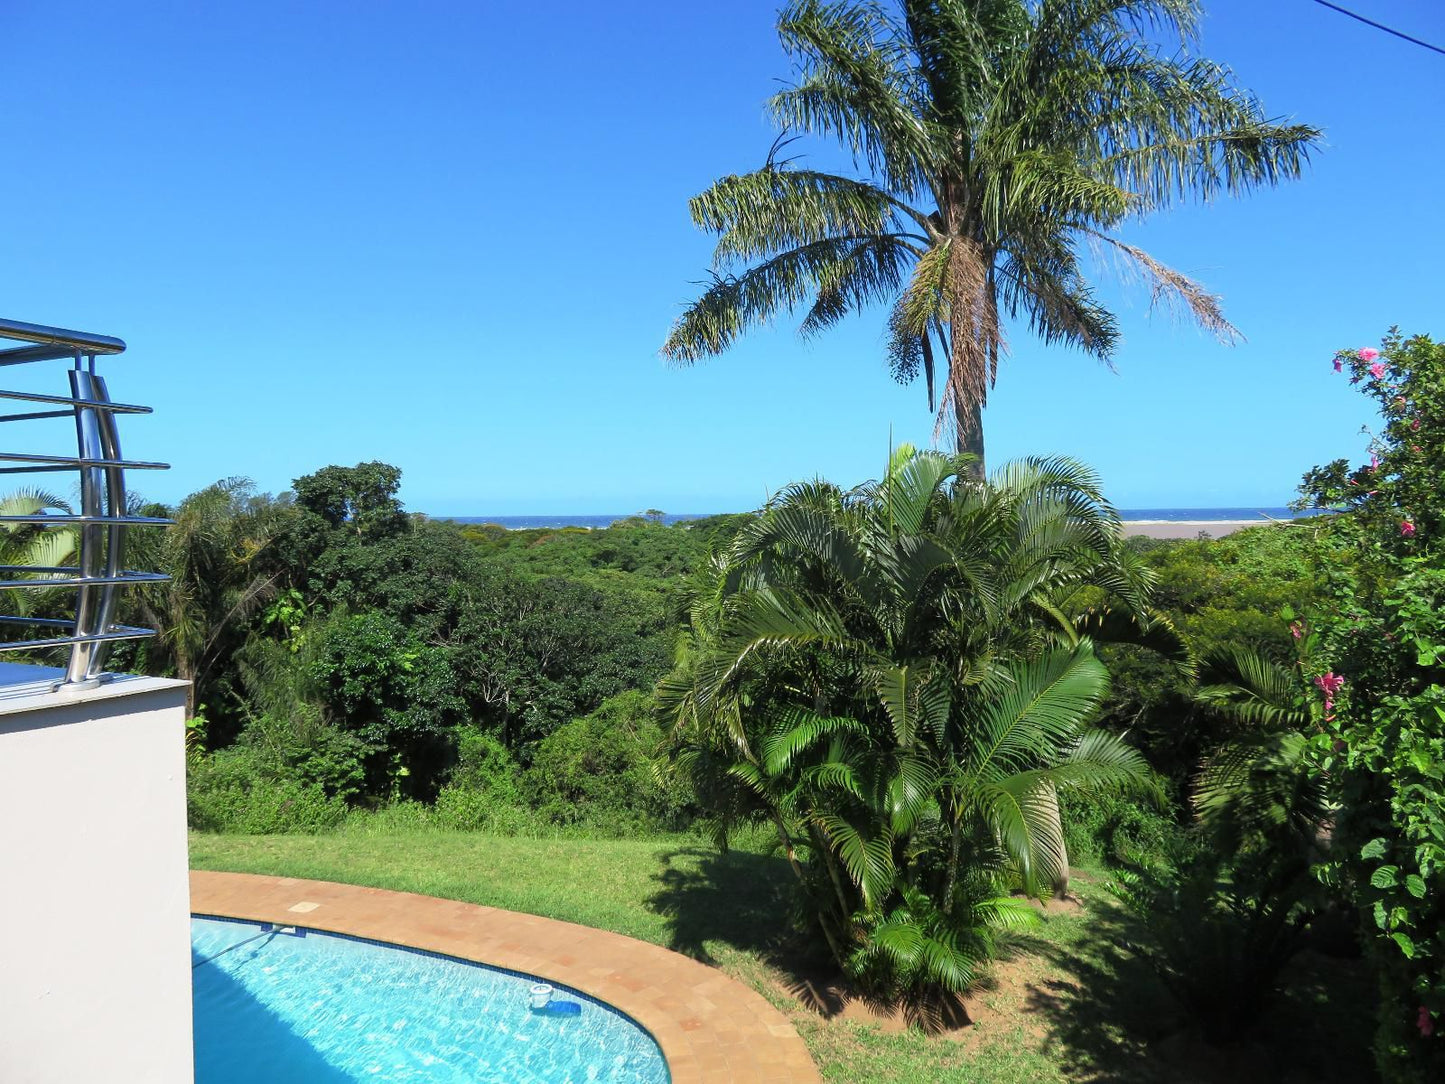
x=541, y=995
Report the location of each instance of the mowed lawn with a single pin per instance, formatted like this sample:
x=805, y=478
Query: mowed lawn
x=1067, y=1001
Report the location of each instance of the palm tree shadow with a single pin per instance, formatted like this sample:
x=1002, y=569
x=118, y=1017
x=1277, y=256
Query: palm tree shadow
x=746, y=901
x=738, y=898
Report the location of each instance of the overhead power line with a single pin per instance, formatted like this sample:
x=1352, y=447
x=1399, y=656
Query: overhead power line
x=1381, y=26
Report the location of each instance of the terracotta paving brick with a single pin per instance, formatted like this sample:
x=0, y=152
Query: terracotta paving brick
x=712, y=1030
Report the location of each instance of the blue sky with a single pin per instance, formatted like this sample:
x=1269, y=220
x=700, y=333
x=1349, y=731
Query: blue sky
x=453, y=236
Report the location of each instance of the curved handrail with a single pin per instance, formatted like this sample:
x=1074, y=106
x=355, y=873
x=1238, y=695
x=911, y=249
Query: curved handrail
x=103, y=516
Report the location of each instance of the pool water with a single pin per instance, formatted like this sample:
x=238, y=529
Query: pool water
x=322, y=1009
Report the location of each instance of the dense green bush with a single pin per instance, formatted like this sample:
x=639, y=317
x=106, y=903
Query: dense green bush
x=599, y=770
x=226, y=793
x=1118, y=829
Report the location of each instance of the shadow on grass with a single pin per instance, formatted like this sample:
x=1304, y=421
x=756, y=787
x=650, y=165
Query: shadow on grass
x=746, y=901
x=741, y=899
x=1109, y=1017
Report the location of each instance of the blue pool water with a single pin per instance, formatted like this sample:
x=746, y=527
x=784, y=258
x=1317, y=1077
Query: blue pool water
x=321, y=1009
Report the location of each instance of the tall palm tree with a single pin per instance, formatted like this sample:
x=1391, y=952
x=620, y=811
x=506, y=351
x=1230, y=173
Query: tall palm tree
x=892, y=676
x=997, y=137
x=215, y=556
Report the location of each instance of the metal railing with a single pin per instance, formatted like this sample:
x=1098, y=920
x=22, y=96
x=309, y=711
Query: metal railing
x=104, y=516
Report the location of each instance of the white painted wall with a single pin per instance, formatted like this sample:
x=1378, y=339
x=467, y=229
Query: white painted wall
x=95, y=967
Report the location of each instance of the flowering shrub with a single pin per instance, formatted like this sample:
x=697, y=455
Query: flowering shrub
x=1381, y=664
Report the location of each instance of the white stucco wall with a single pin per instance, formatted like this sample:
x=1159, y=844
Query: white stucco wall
x=95, y=969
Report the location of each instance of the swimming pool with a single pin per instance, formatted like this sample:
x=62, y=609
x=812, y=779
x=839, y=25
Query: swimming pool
x=323, y=1009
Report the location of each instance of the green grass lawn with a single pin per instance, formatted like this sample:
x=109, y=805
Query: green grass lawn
x=1066, y=1002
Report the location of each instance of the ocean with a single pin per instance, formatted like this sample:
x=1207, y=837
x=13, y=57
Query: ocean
x=1131, y=515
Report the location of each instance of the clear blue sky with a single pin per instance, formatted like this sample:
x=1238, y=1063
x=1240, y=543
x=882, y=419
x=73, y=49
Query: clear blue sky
x=453, y=236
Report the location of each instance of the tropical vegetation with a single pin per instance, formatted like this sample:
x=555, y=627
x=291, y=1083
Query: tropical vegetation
x=991, y=141
x=892, y=678
x=923, y=704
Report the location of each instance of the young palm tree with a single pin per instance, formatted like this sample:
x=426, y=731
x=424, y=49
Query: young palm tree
x=998, y=137
x=891, y=677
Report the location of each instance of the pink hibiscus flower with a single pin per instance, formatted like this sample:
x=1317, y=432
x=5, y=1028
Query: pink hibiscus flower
x=1369, y=353
x=1407, y=528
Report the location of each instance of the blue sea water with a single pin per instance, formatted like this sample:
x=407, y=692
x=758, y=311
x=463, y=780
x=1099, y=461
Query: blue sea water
x=322, y=1009
x=1167, y=515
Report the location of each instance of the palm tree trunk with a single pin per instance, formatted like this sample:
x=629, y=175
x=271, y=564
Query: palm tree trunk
x=787, y=839
x=969, y=428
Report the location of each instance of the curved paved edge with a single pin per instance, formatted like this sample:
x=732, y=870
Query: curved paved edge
x=711, y=1028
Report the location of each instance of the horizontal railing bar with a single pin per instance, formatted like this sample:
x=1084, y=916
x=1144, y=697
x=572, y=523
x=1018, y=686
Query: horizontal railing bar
x=85, y=581
x=129, y=633
x=22, y=355
x=35, y=414
x=78, y=461
x=84, y=341
x=47, y=622
x=98, y=404
x=59, y=521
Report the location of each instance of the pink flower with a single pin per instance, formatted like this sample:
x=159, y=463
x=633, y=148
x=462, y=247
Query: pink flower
x=1329, y=684
x=1377, y=370
x=1415, y=425
x=1374, y=461
x=1297, y=630
x=1369, y=353
x=1407, y=528
x=1425, y=1022
x=1339, y=363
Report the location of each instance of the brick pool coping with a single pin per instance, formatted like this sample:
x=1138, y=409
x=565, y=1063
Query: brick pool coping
x=711, y=1028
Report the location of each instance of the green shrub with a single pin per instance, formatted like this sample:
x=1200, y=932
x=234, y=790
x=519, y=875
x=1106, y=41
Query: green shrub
x=1117, y=830
x=225, y=793
x=484, y=764
x=475, y=810
x=1217, y=939
x=598, y=770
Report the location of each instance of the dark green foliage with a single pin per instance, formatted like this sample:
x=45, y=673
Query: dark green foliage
x=1218, y=939
x=231, y=791
x=396, y=695
x=345, y=646
x=1220, y=595
x=599, y=770
x=483, y=763
x=360, y=499
x=1119, y=829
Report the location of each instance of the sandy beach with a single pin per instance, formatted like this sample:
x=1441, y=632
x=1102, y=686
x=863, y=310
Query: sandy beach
x=1189, y=528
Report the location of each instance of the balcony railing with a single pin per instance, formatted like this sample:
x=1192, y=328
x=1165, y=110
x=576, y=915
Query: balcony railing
x=104, y=516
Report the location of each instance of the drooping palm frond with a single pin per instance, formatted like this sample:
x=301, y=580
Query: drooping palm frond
x=995, y=139
x=1253, y=690
x=1257, y=789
